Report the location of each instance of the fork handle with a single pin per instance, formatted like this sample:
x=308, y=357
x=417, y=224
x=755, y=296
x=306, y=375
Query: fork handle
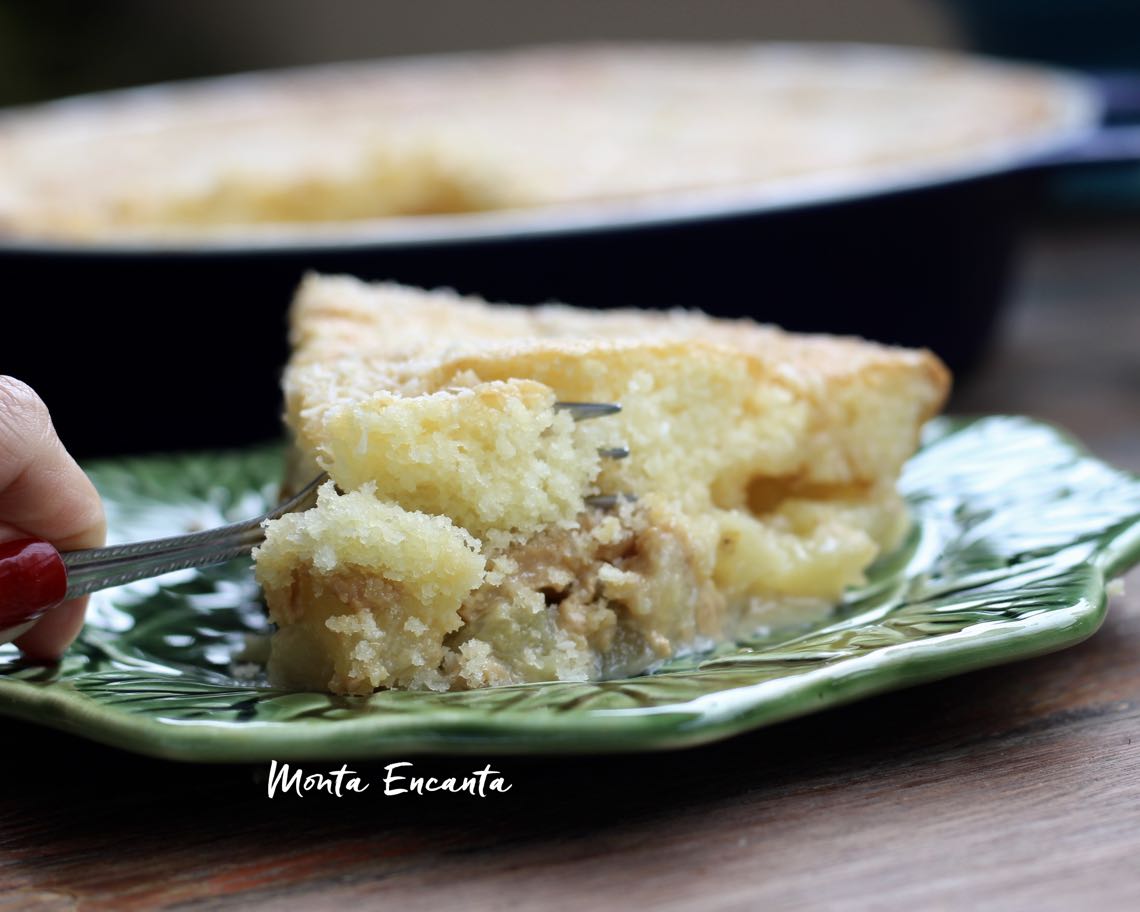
x=35, y=576
x=33, y=579
x=102, y=568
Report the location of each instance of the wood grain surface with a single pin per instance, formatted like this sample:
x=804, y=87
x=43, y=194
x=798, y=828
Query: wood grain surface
x=1013, y=788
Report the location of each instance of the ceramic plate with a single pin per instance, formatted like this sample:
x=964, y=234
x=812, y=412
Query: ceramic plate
x=1016, y=532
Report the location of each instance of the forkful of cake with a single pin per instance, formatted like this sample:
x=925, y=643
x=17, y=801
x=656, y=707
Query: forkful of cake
x=38, y=578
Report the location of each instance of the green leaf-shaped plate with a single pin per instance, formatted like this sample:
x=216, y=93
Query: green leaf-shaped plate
x=1016, y=531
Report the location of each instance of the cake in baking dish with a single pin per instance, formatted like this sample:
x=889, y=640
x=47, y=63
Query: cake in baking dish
x=465, y=538
x=513, y=130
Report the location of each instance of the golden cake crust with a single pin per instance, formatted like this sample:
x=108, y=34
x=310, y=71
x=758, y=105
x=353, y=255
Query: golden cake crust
x=350, y=337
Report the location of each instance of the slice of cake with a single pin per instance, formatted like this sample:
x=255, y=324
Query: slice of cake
x=468, y=540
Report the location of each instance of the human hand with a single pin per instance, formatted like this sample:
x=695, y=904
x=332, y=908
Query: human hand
x=43, y=495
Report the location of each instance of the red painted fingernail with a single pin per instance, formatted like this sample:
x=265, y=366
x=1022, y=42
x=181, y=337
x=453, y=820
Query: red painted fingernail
x=32, y=580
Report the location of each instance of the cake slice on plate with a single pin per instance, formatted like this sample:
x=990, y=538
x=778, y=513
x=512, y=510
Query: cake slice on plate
x=465, y=539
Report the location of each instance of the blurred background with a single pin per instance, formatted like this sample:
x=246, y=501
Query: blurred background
x=1065, y=347
x=56, y=47
x=50, y=48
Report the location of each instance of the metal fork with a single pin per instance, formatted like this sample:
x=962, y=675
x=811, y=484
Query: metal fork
x=102, y=568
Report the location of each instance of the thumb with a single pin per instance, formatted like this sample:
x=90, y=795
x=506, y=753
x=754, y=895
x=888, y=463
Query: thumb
x=44, y=494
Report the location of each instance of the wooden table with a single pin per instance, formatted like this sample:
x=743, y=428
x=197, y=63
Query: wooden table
x=1014, y=788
